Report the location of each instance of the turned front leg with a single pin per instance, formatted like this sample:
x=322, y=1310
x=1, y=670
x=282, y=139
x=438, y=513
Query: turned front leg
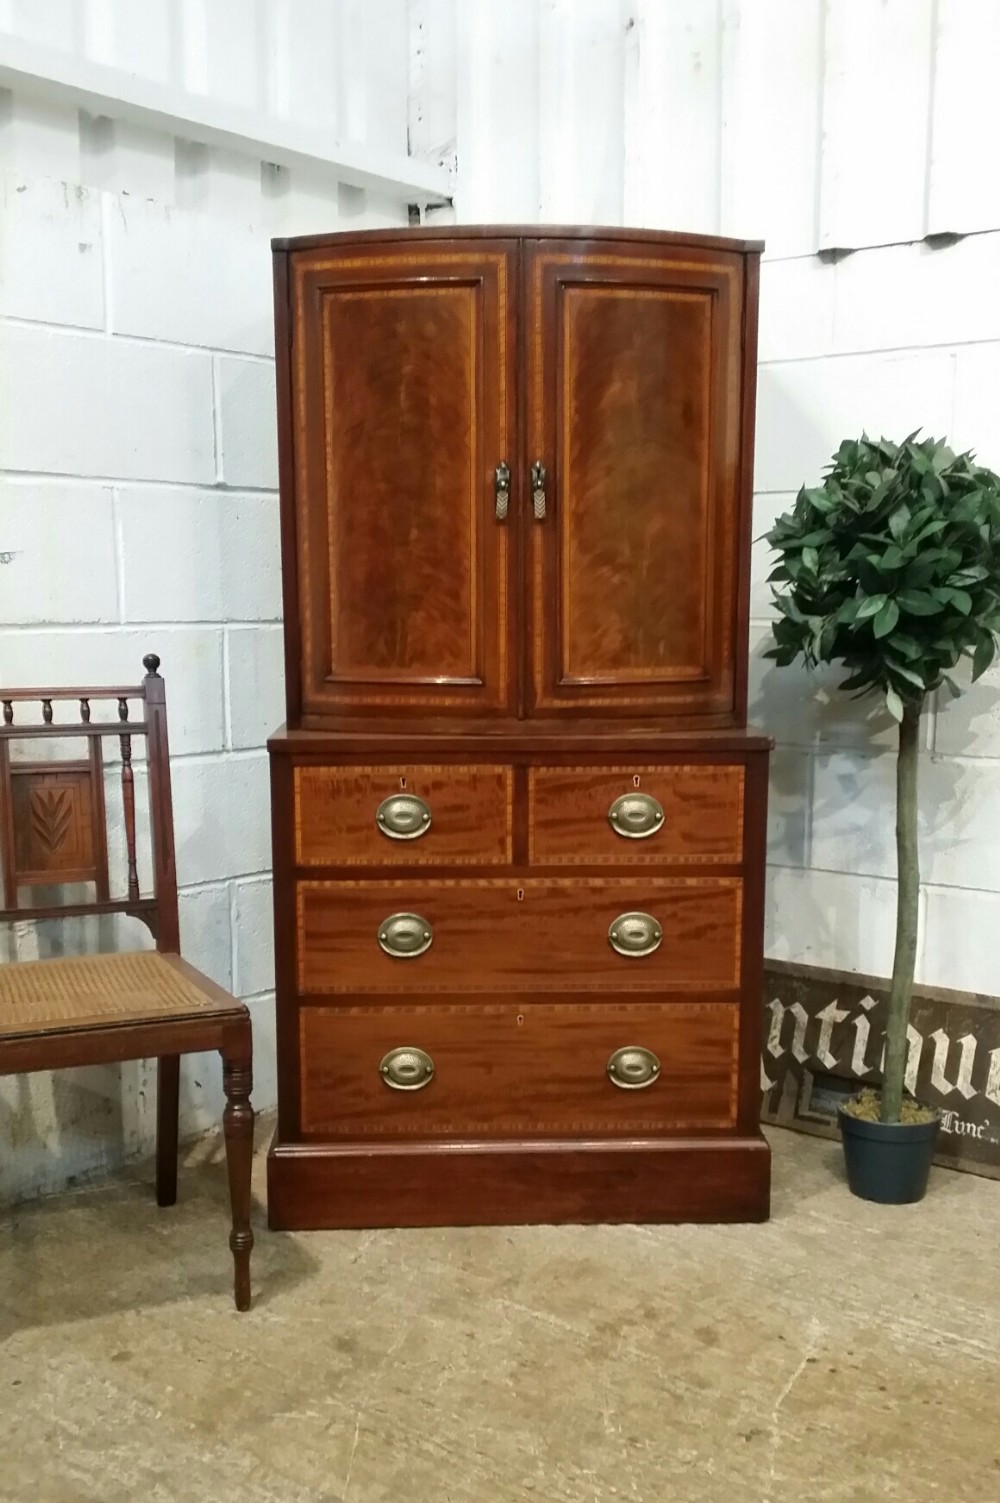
x=237, y=1121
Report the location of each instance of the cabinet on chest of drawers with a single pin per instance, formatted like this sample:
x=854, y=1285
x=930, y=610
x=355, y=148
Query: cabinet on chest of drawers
x=518, y=820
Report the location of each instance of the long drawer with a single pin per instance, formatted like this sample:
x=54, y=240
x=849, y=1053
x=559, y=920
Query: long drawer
x=500, y=934
x=403, y=815
x=627, y=816
x=497, y=1070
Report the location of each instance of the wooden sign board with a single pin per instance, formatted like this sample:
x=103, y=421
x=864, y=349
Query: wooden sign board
x=823, y=1037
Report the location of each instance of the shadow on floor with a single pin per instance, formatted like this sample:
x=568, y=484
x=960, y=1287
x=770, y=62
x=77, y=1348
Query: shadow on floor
x=108, y=1247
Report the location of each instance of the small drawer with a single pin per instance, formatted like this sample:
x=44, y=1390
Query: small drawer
x=403, y=816
x=501, y=1070
x=630, y=816
x=657, y=934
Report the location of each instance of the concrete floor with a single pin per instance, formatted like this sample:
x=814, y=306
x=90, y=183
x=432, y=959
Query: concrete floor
x=842, y=1352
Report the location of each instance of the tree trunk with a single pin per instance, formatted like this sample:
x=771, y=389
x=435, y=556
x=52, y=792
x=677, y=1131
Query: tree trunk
x=907, y=910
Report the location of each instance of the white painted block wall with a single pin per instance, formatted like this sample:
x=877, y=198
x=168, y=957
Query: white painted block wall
x=138, y=447
x=136, y=410
x=855, y=128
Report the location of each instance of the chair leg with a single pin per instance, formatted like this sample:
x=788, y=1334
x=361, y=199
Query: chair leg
x=168, y=1076
x=237, y=1080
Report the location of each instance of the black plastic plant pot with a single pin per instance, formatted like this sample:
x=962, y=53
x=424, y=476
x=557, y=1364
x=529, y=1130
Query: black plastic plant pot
x=888, y=1161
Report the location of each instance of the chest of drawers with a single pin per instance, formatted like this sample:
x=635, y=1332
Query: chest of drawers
x=518, y=987
x=518, y=820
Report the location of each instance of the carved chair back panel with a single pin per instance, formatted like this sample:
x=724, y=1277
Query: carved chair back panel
x=53, y=814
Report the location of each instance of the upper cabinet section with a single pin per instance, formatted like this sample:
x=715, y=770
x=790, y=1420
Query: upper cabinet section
x=515, y=475
x=402, y=397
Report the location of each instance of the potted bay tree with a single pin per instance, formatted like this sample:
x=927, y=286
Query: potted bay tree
x=891, y=568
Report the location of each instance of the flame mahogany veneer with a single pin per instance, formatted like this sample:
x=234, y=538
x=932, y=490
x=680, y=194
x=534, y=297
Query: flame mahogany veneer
x=515, y=497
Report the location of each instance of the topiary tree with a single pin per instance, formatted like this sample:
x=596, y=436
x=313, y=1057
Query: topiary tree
x=892, y=567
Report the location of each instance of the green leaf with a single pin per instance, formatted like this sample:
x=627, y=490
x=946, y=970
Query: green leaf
x=907, y=646
x=958, y=598
x=899, y=521
x=810, y=559
x=871, y=607
x=886, y=619
x=907, y=674
x=894, y=704
x=918, y=603
x=983, y=656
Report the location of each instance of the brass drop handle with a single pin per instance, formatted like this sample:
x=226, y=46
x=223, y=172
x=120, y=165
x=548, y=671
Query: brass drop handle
x=635, y=934
x=502, y=484
x=403, y=816
x=407, y=1068
x=405, y=935
x=636, y=816
x=538, y=490
x=633, y=1068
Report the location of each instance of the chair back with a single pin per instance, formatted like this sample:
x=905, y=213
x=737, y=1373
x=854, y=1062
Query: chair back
x=53, y=821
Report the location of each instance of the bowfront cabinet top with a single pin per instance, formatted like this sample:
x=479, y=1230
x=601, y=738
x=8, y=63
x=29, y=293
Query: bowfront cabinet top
x=516, y=475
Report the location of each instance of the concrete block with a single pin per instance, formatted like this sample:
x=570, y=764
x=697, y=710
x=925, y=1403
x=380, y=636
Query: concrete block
x=206, y=931
x=960, y=940
x=50, y=268
x=62, y=539
x=789, y=806
x=959, y=825
x=190, y=278
x=199, y=555
x=253, y=937
x=191, y=666
x=222, y=818
x=852, y=813
x=977, y=380
x=248, y=438
x=39, y=137
x=796, y=308
x=806, y=708
x=256, y=684
x=805, y=408
x=896, y=296
x=83, y=405
x=767, y=508
x=836, y=919
x=969, y=725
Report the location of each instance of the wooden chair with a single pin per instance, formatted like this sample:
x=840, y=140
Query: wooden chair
x=135, y=1005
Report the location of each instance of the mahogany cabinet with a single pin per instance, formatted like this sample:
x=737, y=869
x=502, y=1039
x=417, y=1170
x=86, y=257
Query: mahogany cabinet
x=518, y=819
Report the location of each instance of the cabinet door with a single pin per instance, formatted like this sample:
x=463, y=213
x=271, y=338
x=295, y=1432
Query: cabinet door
x=402, y=403
x=634, y=405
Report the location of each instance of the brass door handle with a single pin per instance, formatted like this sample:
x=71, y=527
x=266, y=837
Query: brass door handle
x=633, y=1068
x=636, y=816
x=502, y=485
x=538, y=490
x=403, y=816
x=407, y=1068
x=405, y=935
x=635, y=934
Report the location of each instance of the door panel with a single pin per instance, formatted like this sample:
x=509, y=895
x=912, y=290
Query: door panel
x=403, y=392
x=634, y=409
